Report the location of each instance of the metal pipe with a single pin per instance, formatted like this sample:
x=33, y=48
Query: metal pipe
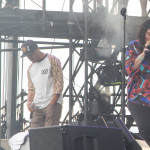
x=86, y=65
x=70, y=62
x=0, y=95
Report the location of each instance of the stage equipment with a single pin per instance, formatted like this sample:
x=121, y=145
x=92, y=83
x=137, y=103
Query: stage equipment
x=100, y=102
x=110, y=74
x=104, y=120
x=70, y=137
x=129, y=141
x=90, y=119
x=96, y=54
x=19, y=20
x=100, y=51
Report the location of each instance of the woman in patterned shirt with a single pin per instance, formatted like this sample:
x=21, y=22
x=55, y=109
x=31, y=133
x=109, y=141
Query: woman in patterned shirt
x=138, y=86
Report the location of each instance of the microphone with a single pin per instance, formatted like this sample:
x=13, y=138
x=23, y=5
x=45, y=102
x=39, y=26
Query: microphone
x=148, y=47
x=147, y=50
x=123, y=11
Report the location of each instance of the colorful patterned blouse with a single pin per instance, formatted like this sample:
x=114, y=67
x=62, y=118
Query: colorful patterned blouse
x=139, y=81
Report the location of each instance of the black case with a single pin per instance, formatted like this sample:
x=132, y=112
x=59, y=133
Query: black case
x=69, y=137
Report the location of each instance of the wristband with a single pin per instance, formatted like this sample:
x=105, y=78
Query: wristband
x=141, y=58
x=146, y=50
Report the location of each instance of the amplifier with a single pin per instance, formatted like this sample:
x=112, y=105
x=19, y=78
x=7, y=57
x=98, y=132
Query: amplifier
x=70, y=137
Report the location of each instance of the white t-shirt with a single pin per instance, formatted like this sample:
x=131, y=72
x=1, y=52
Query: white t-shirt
x=45, y=79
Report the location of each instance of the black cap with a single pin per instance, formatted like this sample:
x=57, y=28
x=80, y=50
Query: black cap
x=28, y=48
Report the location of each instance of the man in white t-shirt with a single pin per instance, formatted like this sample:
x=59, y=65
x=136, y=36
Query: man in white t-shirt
x=45, y=85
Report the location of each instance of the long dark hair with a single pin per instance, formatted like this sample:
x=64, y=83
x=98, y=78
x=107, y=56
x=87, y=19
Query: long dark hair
x=141, y=33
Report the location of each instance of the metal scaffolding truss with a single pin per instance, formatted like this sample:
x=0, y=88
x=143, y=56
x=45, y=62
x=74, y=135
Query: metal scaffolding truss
x=84, y=32
x=82, y=96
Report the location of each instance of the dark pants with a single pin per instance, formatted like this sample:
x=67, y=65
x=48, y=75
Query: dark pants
x=141, y=116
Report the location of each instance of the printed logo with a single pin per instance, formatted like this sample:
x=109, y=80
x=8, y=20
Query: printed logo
x=28, y=48
x=45, y=71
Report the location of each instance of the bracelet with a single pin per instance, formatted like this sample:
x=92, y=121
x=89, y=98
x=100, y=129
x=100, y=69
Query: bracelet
x=141, y=58
x=146, y=50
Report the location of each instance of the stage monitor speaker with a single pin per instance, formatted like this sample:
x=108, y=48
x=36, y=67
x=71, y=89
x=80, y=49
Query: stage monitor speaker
x=68, y=137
